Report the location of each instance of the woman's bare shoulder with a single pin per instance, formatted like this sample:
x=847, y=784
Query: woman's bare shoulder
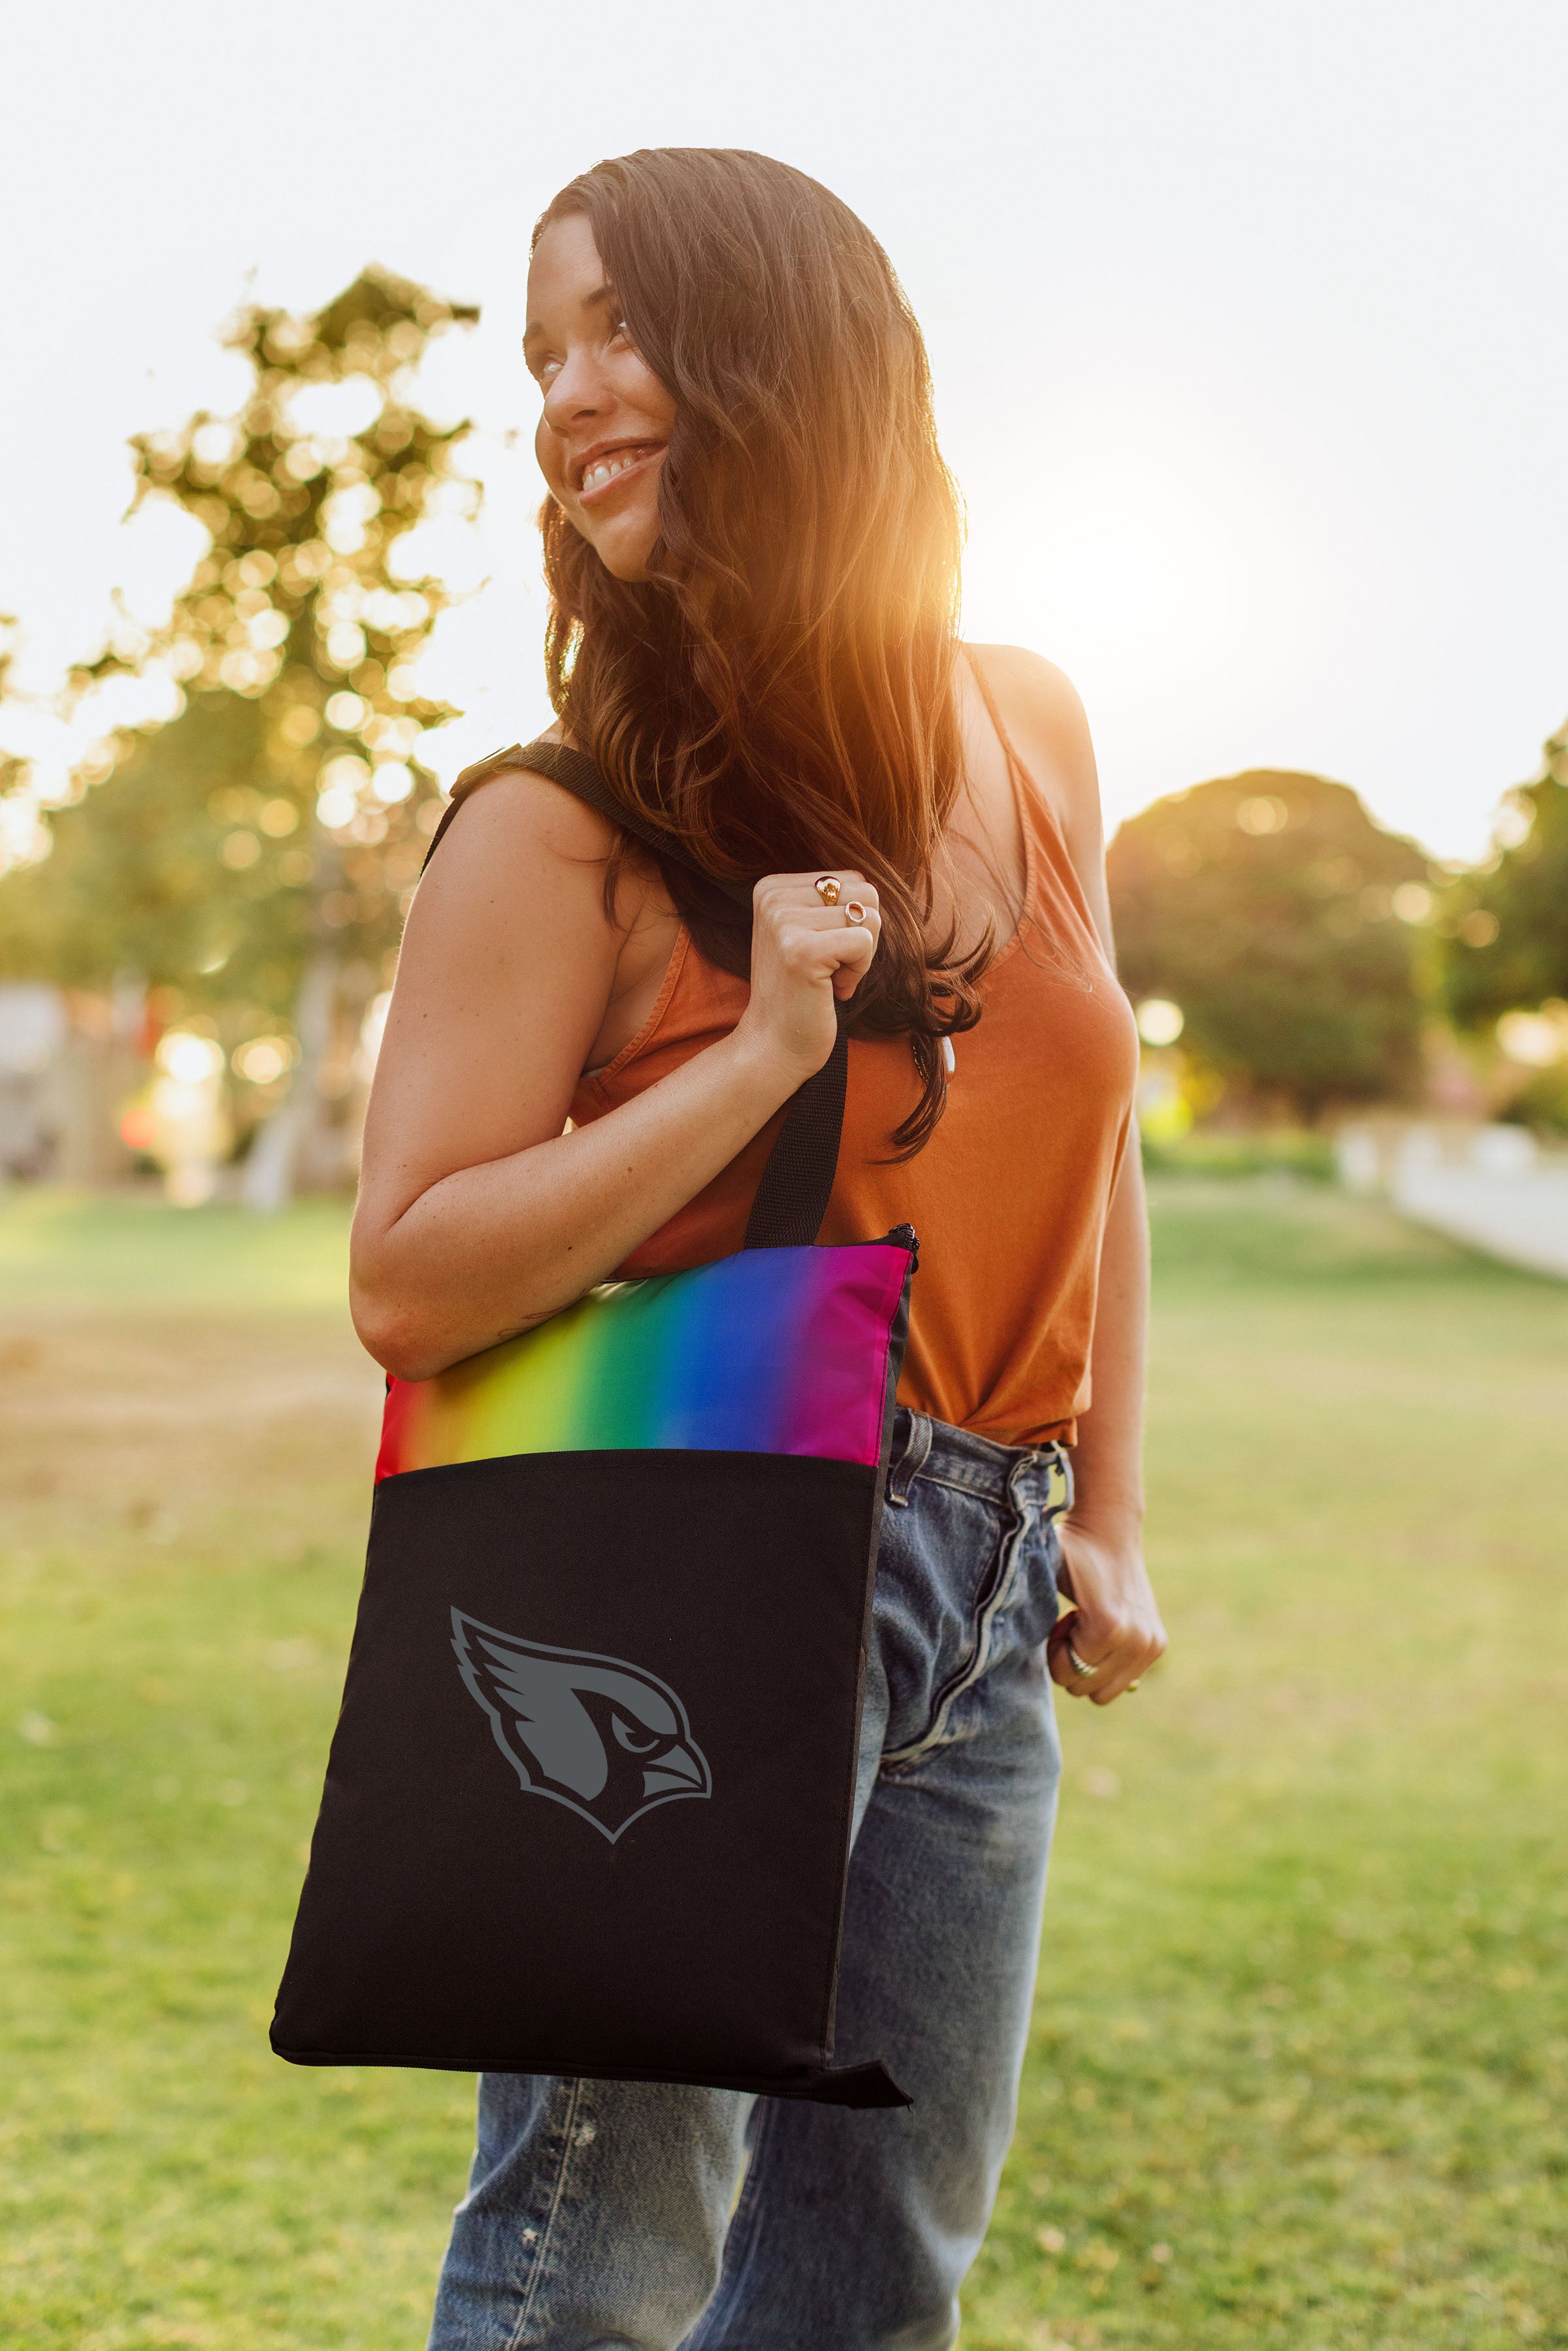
x=512, y=905
x=1043, y=713
x=515, y=812
x=520, y=814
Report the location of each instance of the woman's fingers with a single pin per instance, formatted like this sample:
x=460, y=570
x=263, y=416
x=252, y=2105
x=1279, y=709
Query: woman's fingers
x=838, y=939
x=804, y=886
x=1076, y=1666
x=1115, y=1659
x=797, y=894
x=1114, y=1628
x=805, y=952
x=853, y=965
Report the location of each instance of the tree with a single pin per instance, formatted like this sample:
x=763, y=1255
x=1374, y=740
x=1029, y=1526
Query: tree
x=22, y=837
x=1267, y=906
x=1505, y=925
x=248, y=854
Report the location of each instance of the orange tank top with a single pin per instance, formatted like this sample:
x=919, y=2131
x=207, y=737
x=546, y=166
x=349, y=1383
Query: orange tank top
x=1008, y=1197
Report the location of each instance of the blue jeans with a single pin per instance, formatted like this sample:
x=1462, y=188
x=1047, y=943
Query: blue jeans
x=606, y=2214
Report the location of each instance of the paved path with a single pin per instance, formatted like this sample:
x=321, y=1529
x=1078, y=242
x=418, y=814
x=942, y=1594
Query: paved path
x=1520, y=1216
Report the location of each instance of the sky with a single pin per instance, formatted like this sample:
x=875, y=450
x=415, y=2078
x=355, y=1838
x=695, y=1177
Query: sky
x=1248, y=326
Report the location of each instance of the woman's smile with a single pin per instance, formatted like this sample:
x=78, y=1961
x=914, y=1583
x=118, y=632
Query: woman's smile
x=602, y=469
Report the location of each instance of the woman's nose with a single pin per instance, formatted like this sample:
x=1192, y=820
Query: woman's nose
x=577, y=389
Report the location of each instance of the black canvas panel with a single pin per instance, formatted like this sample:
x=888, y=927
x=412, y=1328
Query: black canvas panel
x=588, y=1803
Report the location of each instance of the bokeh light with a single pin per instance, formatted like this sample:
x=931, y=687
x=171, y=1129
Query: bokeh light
x=264, y=1060
x=1160, y=1022
x=189, y=1060
x=1536, y=1040
x=335, y=807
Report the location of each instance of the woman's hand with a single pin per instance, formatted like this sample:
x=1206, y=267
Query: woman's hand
x=805, y=955
x=1114, y=1625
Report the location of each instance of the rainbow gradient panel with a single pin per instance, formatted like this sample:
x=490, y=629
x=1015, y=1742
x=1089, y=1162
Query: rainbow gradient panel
x=772, y=1351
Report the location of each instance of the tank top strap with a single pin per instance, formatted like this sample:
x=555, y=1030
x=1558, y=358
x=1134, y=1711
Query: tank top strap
x=1056, y=913
x=1030, y=800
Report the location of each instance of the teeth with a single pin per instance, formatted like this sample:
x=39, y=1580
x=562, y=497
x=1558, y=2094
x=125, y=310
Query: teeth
x=604, y=469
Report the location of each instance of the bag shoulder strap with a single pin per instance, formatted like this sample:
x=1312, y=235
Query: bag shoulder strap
x=798, y=1179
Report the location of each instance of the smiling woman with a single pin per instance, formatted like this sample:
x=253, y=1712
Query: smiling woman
x=705, y=947
x=578, y=350
x=737, y=411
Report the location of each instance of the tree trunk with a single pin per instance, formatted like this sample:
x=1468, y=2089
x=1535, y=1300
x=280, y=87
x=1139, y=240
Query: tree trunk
x=272, y=1169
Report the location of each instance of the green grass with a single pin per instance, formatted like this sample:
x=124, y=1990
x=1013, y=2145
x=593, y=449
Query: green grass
x=1302, y=2042
x=1293, y=1151
x=59, y=1247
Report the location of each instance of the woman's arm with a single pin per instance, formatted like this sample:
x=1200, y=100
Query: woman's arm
x=477, y=1217
x=1116, y=1624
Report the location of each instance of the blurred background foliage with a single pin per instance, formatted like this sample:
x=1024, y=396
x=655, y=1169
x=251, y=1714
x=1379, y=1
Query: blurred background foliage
x=1269, y=907
x=250, y=860
x=1310, y=962
x=1512, y=915
x=1506, y=927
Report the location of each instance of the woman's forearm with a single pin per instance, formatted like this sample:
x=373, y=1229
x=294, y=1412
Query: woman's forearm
x=1108, y=1460
x=1114, y=1633
x=490, y=1250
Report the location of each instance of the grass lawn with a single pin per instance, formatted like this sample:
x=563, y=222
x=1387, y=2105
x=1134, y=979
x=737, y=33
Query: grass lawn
x=1298, y=2070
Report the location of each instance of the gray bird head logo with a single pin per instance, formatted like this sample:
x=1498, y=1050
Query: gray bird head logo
x=602, y=1738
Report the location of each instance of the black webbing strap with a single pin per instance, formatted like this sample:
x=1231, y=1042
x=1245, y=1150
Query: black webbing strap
x=793, y=1196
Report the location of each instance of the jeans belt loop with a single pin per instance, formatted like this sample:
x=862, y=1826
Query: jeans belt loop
x=1056, y=1462
x=1065, y=1463
x=911, y=1461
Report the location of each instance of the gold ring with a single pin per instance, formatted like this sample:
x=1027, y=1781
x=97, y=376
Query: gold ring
x=1078, y=1666
x=827, y=889
x=854, y=912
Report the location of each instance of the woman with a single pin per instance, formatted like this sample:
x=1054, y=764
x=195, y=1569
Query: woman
x=751, y=546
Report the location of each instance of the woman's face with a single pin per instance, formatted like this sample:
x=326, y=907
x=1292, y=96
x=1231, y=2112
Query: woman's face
x=607, y=418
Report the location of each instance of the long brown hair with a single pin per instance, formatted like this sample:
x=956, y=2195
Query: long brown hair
x=778, y=694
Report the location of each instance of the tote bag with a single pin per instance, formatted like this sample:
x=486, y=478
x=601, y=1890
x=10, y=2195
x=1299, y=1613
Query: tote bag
x=588, y=1803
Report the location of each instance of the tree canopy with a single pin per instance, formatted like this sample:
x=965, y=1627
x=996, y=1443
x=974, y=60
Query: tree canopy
x=1268, y=906
x=286, y=808
x=1506, y=925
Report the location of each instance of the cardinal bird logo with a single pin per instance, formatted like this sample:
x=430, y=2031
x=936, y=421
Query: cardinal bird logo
x=605, y=1739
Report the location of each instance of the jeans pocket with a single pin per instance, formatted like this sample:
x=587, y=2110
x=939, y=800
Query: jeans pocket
x=1012, y=1609
x=939, y=1560
x=947, y=1575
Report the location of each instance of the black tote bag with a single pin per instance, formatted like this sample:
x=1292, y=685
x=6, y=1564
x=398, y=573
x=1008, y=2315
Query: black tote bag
x=588, y=1803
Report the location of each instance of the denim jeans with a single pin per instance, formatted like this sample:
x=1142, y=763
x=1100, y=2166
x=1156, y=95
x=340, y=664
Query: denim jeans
x=646, y=2216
